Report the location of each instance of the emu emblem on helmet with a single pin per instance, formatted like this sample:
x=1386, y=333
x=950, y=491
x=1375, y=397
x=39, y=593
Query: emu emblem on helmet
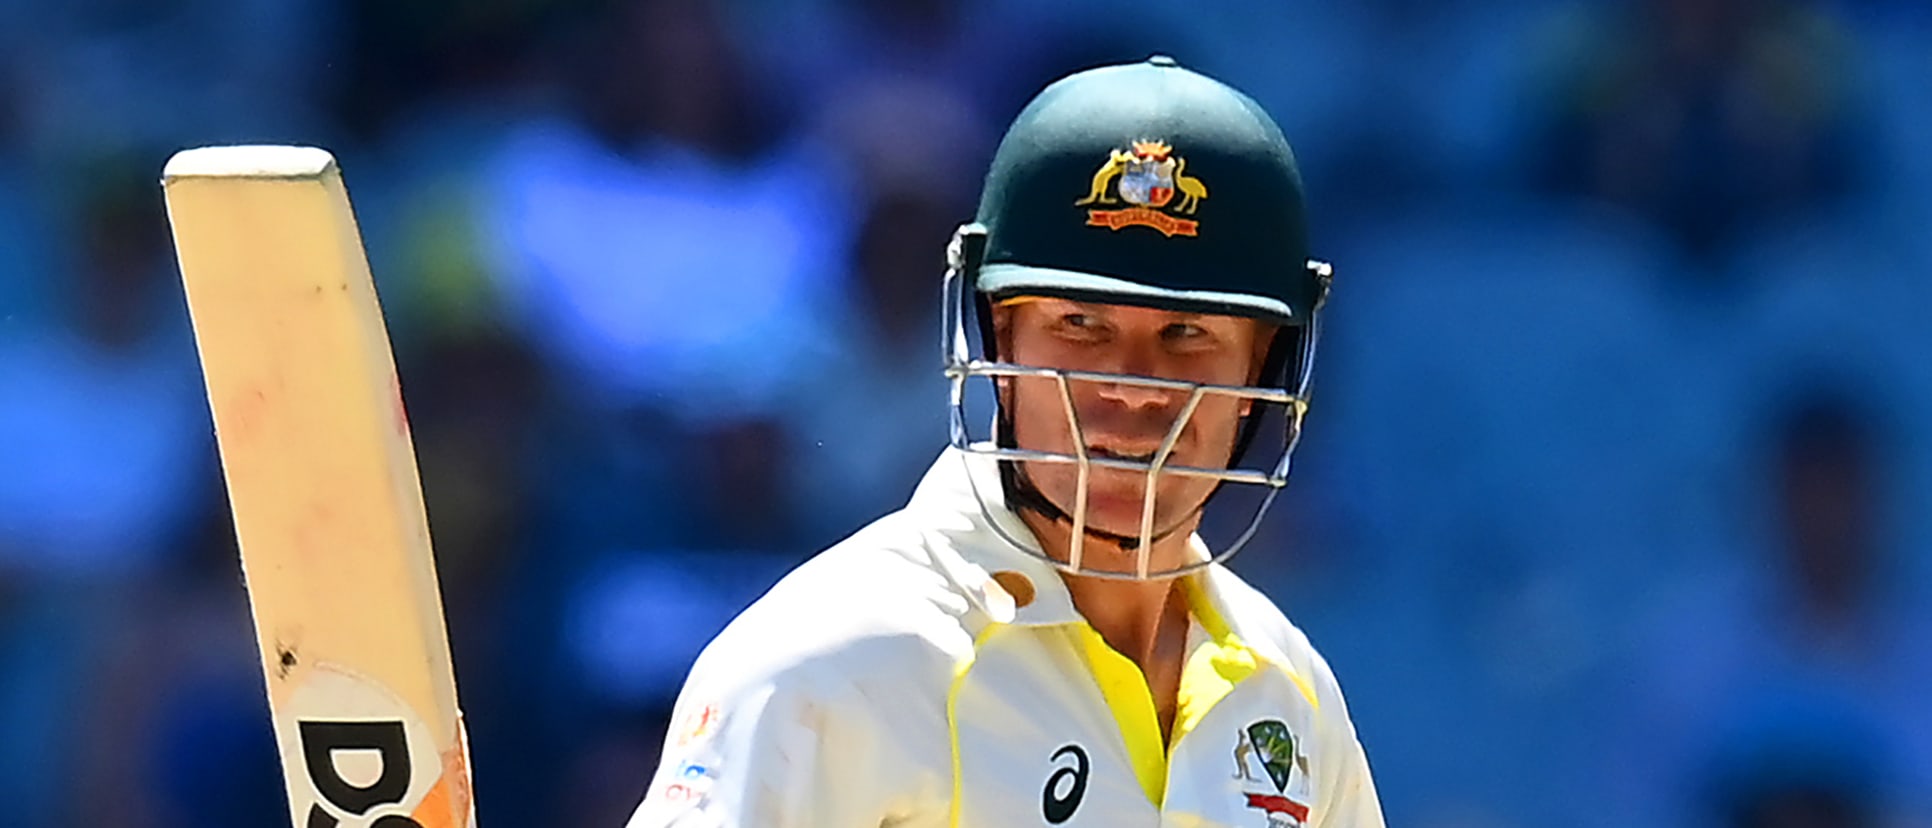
x=1147, y=176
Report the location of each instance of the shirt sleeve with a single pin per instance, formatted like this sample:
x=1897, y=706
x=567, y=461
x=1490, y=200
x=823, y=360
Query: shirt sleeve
x=764, y=755
x=1350, y=789
x=1352, y=799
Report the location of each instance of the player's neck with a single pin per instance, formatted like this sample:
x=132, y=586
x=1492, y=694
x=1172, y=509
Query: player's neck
x=1146, y=621
x=1140, y=619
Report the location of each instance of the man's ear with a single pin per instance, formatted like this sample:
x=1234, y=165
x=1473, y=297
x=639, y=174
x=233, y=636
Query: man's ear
x=1003, y=330
x=1264, y=340
x=1002, y=316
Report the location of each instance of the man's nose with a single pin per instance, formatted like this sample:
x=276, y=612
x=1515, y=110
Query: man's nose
x=1137, y=397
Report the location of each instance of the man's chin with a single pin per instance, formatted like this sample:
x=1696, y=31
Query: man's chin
x=1114, y=502
x=1121, y=527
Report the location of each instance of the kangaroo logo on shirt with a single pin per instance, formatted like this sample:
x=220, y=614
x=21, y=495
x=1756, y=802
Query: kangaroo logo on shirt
x=1270, y=744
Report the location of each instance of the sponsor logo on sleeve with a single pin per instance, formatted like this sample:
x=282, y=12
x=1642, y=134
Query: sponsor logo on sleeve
x=692, y=765
x=696, y=725
x=688, y=783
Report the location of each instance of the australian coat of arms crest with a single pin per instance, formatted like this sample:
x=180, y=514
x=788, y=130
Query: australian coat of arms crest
x=1147, y=178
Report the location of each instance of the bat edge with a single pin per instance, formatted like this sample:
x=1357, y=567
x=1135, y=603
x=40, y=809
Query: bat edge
x=249, y=161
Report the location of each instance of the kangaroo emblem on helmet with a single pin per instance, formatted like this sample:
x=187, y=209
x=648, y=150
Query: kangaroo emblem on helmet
x=1105, y=178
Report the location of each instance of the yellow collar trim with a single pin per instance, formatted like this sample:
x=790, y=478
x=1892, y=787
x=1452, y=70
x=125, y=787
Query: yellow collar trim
x=952, y=719
x=1124, y=687
x=1225, y=657
x=1214, y=668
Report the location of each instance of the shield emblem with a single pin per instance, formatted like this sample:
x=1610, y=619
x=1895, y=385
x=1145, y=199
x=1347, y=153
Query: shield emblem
x=1274, y=745
x=1148, y=182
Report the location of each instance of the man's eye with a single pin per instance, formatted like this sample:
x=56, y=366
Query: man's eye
x=1083, y=327
x=1185, y=331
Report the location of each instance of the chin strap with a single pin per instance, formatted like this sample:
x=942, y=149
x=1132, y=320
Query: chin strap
x=1022, y=495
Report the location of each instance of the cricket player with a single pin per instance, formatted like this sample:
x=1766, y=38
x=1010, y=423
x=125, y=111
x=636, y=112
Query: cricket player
x=1041, y=636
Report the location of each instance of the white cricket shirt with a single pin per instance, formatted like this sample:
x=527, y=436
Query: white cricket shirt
x=891, y=681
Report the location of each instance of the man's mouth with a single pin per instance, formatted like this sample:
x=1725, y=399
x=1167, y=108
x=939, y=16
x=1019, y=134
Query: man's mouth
x=1111, y=454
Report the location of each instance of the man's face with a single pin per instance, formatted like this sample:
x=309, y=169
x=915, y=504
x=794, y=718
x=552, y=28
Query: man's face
x=1120, y=420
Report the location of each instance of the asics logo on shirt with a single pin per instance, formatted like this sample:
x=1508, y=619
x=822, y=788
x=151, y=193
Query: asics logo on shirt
x=1065, y=786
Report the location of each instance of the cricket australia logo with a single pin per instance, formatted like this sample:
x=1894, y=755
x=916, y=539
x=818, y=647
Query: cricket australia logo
x=1269, y=745
x=1147, y=177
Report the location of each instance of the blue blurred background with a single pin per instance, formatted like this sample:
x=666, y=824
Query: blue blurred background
x=1611, y=508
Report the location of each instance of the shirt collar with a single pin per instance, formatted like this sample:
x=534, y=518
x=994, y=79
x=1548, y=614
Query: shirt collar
x=978, y=535
x=968, y=550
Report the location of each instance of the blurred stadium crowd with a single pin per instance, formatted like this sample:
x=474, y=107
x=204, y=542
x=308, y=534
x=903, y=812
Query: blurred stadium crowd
x=1611, y=510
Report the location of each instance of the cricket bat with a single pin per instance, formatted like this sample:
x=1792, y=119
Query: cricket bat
x=322, y=480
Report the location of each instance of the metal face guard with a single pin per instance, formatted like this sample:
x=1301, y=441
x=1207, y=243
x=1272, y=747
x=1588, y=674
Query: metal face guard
x=961, y=365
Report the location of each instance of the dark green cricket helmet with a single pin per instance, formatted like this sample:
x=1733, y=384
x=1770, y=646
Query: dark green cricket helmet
x=1152, y=185
x=1149, y=184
